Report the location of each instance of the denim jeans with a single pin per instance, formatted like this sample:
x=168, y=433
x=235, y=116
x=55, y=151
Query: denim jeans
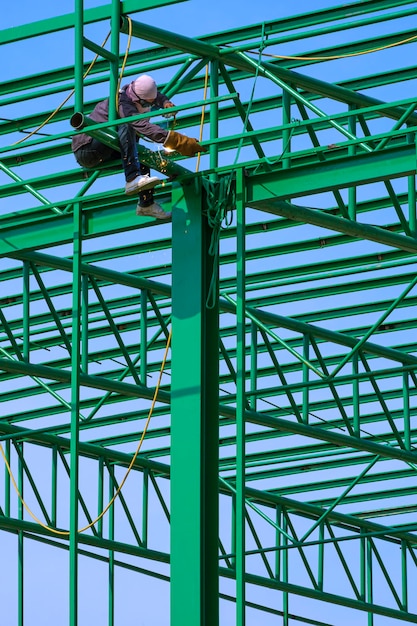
x=96, y=152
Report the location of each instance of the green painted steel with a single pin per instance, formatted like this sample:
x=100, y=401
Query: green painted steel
x=276, y=479
x=240, y=504
x=75, y=417
x=194, y=427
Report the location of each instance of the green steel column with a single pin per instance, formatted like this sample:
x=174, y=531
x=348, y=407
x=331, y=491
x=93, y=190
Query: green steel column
x=214, y=115
x=7, y=482
x=241, y=403
x=412, y=202
x=100, y=495
x=404, y=577
x=143, y=335
x=285, y=568
x=145, y=506
x=79, y=56
x=352, y=195
x=407, y=412
x=54, y=486
x=26, y=310
x=254, y=364
x=320, y=575
x=20, y=569
x=195, y=423
x=278, y=541
x=356, y=396
x=286, y=133
x=306, y=375
x=112, y=566
x=114, y=64
x=75, y=411
x=369, y=580
x=84, y=325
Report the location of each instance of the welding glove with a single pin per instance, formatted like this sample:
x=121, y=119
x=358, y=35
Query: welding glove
x=183, y=144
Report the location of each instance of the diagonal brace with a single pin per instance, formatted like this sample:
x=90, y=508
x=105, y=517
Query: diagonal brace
x=374, y=327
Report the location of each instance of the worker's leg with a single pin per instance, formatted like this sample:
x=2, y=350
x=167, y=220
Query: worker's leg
x=129, y=151
x=136, y=180
x=146, y=205
x=93, y=153
x=146, y=196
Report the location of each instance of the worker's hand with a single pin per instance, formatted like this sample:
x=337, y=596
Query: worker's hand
x=168, y=105
x=186, y=146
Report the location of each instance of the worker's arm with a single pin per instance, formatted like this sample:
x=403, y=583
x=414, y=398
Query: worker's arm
x=142, y=127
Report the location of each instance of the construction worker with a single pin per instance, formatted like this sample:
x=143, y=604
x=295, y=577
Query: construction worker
x=139, y=96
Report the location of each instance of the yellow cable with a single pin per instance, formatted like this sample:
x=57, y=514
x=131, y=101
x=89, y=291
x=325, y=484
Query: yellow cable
x=88, y=70
x=338, y=56
x=118, y=490
x=202, y=116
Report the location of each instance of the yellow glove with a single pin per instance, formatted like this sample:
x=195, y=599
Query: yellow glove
x=183, y=144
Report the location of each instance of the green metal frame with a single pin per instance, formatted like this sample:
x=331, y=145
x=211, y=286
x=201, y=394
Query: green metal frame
x=277, y=478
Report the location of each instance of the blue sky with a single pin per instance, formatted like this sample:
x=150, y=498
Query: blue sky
x=194, y=17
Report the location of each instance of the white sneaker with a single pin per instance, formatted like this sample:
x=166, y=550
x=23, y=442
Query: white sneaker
x=153, y=210
x=141, y=183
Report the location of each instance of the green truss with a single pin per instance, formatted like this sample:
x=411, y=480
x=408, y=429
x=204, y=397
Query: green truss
x=277, y=478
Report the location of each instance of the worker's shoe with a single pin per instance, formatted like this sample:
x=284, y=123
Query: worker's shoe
x=141, y=183
x=153, y=210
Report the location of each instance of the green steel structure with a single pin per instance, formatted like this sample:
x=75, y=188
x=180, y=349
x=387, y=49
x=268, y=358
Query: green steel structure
x=260, y=468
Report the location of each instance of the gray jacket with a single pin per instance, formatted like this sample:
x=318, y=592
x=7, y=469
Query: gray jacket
x=127, y=108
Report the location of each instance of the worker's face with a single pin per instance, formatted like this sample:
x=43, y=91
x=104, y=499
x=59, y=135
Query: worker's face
x=146, y=103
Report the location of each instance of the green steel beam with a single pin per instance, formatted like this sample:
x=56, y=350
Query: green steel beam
x=264, y=316
x=325, y=220
x=100, y=273
x=315, y=432
x=267, y=497
x=369, y=607
x=322, y=333
x=312, y=511
x=270, y=28
x=63, y=22
x=347, y=522
x=345, y=172
x=349, y=171
x=86, y=449
x=306, y=20
x=98, y=543
x=203, y=49
x=163, y=577
x=95, y=382
x=368, y=261
x=253, y=417
x=105, y=221
x=21, y=123
x=167, y=166
x=295, y=506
